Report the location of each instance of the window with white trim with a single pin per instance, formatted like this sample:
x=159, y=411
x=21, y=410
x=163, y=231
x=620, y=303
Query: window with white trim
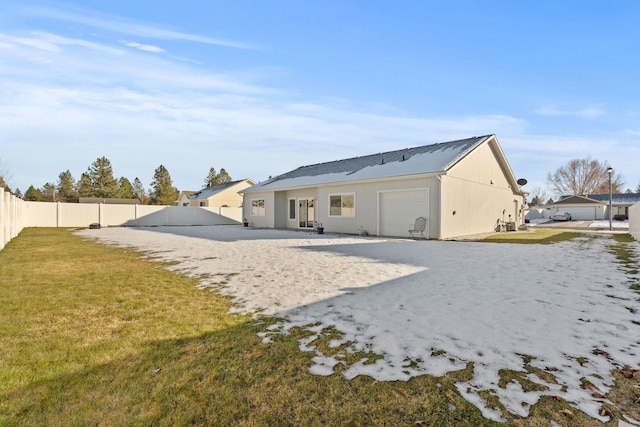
x=292, y=209
x=343, y=205
x=257, y=207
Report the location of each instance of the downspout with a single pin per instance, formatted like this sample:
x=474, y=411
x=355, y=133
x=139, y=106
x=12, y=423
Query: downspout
x=440, y=205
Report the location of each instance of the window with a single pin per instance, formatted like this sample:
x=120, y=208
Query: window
x=257, y=207
x=292, y=209
x=203, y=203
x=342, y=205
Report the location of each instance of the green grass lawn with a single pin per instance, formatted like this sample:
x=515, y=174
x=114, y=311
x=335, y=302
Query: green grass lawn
x=94, y=335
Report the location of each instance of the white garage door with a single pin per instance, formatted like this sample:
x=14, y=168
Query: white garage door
x=399, y=210
x=582, y=213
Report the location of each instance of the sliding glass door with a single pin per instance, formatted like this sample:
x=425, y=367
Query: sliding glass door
x=306, y=213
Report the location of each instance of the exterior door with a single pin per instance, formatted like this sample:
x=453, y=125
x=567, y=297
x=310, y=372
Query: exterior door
x=306, y=213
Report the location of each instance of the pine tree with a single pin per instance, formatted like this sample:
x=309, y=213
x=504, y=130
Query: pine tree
x=85, y=188
x=125, y=189
x=66, y=188
x=139, y=192
x=223, y=177
x=162, y=190
x=217, y=178
x=98, y=181
x=49, y=193
x=212, y=178
x=33, y=194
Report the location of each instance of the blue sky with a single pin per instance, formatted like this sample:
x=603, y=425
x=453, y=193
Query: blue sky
x=261, y=88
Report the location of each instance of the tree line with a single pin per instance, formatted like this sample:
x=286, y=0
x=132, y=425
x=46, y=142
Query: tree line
x=98, y=182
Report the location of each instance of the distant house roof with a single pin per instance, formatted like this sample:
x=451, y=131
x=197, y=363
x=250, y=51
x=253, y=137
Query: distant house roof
x=617, y=199
x=211, y=191
x=426, y=159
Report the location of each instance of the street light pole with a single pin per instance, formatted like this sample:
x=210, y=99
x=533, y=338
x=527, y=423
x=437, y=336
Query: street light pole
x=610, y=171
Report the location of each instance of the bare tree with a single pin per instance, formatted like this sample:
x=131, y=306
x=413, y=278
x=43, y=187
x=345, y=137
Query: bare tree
x=538, y=196
x=584, y=176
x=5, y=177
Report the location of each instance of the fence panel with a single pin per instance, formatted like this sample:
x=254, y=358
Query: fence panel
x=634, y=221
x=11, y=217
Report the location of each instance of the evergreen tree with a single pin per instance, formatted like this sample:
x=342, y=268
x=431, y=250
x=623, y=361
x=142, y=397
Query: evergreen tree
x=85, y=188
x=33, y=194
x=18, y=193
x=125, y=189
x=67, y=188
x=223, y=177
x=139, y=192
x=49, y=193
x=215, y=178
x=162, y=190
x=100, y=175
x=212, y=178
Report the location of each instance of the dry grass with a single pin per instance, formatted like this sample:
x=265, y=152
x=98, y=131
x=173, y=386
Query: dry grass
x=534, y=236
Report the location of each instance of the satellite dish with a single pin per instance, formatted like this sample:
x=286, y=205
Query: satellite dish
x=522, y=182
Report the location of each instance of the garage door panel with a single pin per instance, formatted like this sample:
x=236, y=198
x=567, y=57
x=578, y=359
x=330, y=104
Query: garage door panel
x=582, y=213
x=398, y=211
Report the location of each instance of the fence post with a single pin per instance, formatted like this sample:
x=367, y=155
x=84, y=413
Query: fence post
x=3, y=218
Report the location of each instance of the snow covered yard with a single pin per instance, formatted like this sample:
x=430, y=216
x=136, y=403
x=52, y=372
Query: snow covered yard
x=562, y=315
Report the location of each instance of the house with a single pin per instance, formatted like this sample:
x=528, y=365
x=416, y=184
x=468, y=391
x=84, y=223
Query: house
x=183, y=197
x=221, y=195
x=462, y=188
x=591, y=207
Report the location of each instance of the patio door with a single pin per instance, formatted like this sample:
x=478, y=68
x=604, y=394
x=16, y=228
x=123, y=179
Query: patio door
x=306, y=213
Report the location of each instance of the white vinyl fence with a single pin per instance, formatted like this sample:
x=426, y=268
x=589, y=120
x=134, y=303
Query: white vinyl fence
x=49, y=214
x=634, y=221
x=16, y=214
x=11, y=216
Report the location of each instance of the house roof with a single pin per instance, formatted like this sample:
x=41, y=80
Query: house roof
x=616, y=199
x=426, y=159
x=211, y=191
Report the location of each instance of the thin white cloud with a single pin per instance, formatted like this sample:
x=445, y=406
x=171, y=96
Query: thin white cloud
x=122, y=26
x=143, y=47
x=587, y=112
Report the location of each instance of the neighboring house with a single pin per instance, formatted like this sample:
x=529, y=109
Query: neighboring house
x=463, y=188
x=591, y=207
x=221, y=195
x=183, y=198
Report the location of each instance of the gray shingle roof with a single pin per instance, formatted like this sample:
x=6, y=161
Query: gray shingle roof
x=432, y=158
x=617, y=199
x=207, y=192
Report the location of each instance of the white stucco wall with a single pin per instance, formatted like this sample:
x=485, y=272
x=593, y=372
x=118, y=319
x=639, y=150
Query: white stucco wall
x=476, y=195
x=266, y=221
